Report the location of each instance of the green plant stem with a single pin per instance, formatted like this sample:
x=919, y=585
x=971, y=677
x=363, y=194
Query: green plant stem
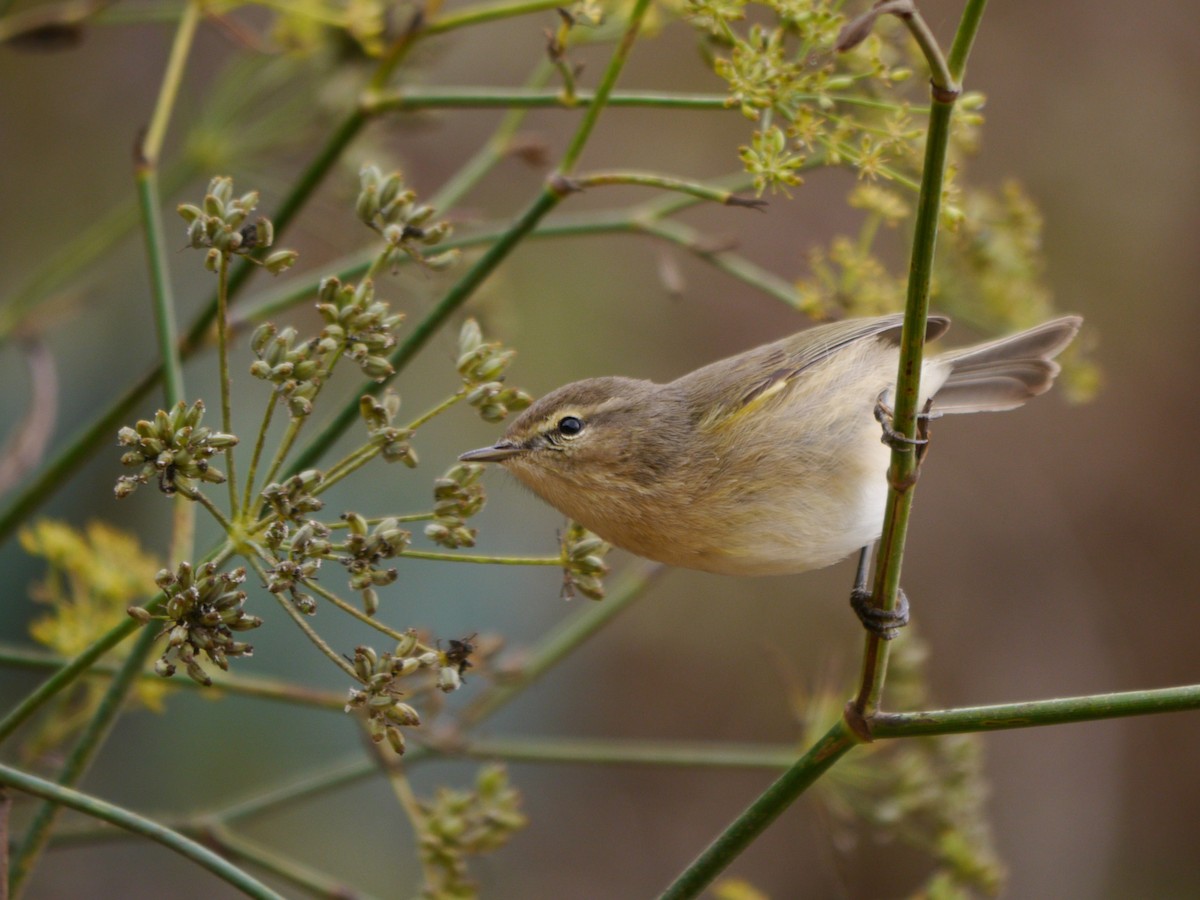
x=551, y=649
x=402, y=355
x=85, y=660
x=259, y=442
x=146, y=176
x=94, y=734
x=310, y=784
x=623, y=753
x=608, y=81
x=666, y=183
x=940, y=72
x=347, y=466
x=241, y=685
x=731, y=263
x=562, y=640
x=902, y=473
x=765, y=810
x=160, y=283
x=351, y=610
x=82, y=249
x=65, y=676
x=964, y=38
x=200, y=497
x=298, y=617
x=486, y=12
x=416, y=98
x=130, y=821
x=86, y=441
x=485, y=560
x=1035, y=713
x=639, y=219
x=224, y=375
x=288, y=868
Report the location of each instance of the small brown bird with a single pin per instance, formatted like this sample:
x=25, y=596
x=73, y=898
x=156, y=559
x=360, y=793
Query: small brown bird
x=764, y=463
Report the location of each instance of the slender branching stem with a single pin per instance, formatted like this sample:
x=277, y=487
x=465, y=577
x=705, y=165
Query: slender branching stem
x=200, y=497
x=353, y=611
x=309, y=632
x=346, y=466
x=564, y=639
x=259, y=442
x=224, y=376
x=123, y=818
x=436, y=410
x=241, y=685
x=485, y=560
x=288, y=868
x=665, y=183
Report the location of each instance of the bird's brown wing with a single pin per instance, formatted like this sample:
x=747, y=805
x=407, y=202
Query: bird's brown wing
x=728, y=389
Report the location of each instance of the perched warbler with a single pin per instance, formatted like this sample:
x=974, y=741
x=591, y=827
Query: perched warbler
x=767, y=462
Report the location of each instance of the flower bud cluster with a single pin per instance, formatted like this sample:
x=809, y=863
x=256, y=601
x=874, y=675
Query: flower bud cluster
x=584, y=567
x=220, y=225
x=174, y=447
x=295, y=370
x=364, y=548
x=388, y=207
x=482, y=367
x=202, y=610
x=293, y=499
x=393, y=442
x=457, y=495
x=301, y=560
x=359, y=323
x=458, y=824
x=380, y=694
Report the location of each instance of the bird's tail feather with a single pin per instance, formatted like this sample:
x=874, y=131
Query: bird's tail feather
x=1004, y=373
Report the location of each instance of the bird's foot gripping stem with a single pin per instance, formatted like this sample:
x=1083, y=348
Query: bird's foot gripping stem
x=883, y=623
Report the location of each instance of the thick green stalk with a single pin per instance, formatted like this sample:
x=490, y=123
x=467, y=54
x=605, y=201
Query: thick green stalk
x=123, y=818
x=765, y=810
x=902, y=474
x=903, y=471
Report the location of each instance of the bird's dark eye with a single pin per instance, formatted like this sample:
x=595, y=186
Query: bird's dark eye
x=569, y=426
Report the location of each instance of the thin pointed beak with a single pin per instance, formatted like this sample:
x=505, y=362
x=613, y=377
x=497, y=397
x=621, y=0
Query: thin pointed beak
x=498, y=452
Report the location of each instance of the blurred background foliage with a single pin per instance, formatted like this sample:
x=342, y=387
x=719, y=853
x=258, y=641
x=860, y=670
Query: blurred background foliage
x=1049, y=552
